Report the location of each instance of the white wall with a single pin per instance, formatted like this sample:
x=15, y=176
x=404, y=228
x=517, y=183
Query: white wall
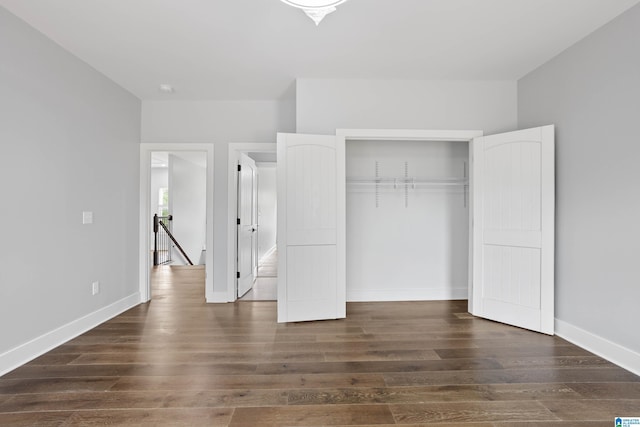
x=159, y=179
x=187, y=201
x=591, y=92
x=219, y=123
x=215, y=121
x=267, y=207
x=324, y=105
x=69, y=140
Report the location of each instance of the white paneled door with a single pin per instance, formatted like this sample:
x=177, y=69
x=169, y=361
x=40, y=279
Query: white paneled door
x=311, y=227
x=247, y=224
x=513, y=228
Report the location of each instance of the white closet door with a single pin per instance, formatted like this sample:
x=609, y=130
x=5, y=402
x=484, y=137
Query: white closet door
x=311, y=227
x=247, y=227
x=513, y=237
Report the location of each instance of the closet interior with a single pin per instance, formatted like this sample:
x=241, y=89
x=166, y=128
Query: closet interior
x=407, y=220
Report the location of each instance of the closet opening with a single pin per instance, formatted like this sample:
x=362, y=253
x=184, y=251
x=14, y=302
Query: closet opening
x=407, y=220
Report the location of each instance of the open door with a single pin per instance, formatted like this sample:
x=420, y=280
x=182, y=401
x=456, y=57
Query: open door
x=311, y=227
x=247, y=224
x=513, y=228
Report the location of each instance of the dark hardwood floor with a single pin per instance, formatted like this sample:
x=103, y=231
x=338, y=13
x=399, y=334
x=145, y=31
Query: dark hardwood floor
x=180, y=362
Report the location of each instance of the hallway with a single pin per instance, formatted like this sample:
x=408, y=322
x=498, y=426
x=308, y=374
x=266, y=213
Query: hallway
x=265, y=288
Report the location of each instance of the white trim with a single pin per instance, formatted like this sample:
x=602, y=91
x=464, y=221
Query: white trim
x=232, y=205
x=615, y=353
x=429, y=135
x=28, y=351
x=145, y=213
x=434, y=294
x=548, y=187
x=471, y=307
x=219, y=297
x=409, y=134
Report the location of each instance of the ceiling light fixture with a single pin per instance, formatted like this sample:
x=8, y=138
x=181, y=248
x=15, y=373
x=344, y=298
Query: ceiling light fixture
x=315, y=9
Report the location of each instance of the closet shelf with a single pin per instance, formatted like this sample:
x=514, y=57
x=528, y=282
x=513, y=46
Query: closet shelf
x=410, y=181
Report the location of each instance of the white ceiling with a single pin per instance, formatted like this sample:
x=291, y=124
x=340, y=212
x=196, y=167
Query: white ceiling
x=254, y=49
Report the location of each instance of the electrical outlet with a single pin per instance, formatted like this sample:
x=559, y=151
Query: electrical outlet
x=95, y=288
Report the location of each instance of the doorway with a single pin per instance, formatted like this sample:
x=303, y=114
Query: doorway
x=266, y=278
x=253, y=213
x=176, y=182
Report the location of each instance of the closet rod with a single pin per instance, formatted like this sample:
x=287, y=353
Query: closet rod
x=407, y=180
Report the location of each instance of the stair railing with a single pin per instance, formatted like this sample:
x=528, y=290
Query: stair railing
x=161, y=237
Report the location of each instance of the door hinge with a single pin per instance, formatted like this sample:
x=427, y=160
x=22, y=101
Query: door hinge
x=237, y=275
x=239, y=168
x=238, y=222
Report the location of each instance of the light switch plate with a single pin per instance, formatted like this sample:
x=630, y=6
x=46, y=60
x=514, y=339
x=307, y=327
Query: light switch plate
x=87, y=217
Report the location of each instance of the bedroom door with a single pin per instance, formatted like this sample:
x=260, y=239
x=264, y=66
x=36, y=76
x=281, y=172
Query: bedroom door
x=247, y=225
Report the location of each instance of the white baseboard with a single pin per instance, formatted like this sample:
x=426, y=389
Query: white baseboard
x=28, y=351
x=614, y=353
x=218, y=297
x=436, y=294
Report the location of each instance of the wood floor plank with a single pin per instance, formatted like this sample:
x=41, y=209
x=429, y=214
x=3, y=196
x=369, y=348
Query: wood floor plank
x=427, y=394
x=512, y=351
x=608, y=390
x=380, y=355
x=559, y=375
x=226, y=398
x=371, y=345
x=50, y=385
x=118, y=370
x=149, y=398
x=44, y=402
x=160, y=346
x=387, y=395
x=196, y=357
x=191, y=417
x=426, y=425
x=386, y=337
x=312, y=416
x=465, y=412
x=553, y=361
x=54, y=359
x=593, y=410
x=553, y=424
x=253, y=382
x=177, y=336
x=40, y=419
x=376, y=366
